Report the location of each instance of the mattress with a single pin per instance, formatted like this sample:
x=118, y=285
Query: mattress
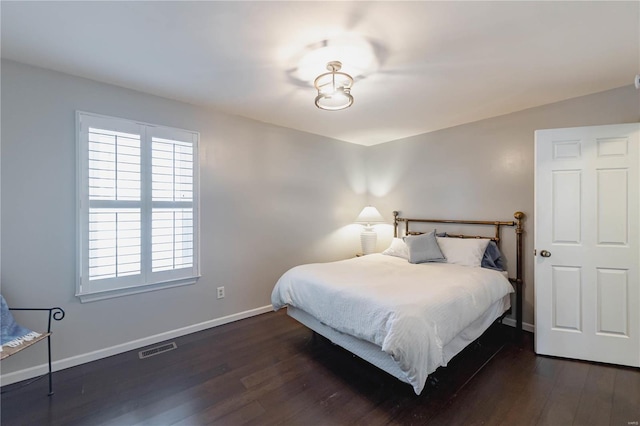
x=374, y=354
x=419, y=315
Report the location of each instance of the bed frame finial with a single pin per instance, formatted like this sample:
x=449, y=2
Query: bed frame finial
x=519, y=216
x=396, y=213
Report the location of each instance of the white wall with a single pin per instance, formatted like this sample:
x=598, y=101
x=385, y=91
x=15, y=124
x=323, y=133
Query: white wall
x=483, y=170
x=271, y=198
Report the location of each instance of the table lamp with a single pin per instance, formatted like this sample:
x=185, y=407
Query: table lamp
x=368, y=216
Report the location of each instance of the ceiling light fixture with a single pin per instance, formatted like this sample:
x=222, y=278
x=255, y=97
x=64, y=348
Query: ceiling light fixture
x=334, y=88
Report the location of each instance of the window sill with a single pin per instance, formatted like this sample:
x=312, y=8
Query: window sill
x=110, y=294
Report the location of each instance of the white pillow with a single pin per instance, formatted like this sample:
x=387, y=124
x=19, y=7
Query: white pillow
x=398, y=248
x=463, y=251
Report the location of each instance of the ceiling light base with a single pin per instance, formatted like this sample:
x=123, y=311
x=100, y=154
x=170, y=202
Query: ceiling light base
x=334, y=66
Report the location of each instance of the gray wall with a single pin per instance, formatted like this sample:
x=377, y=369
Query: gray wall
x=483, y=170
x=271, y=198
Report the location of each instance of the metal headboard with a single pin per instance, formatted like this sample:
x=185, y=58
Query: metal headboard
x=518, y=224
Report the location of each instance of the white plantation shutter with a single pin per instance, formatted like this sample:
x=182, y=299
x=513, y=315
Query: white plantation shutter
x=114, y=243
x=172, y=239
x=138, y=213
x=172, y=197
x=114, y=204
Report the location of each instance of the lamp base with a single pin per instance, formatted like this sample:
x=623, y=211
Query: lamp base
x=368, y=240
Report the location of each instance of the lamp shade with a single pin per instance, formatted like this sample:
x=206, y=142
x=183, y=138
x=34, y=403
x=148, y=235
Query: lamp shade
x=369, y=215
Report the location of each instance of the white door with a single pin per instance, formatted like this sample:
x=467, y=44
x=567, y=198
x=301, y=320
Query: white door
x=587, y=297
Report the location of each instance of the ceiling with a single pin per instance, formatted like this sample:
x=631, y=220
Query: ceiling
x=437, y=64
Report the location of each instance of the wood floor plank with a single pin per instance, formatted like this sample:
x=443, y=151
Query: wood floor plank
x=563, y=400
x=484, y=395
x=515, y=378
x=625, y=408
x=267, y=370
x=291, y=369
x=315, y=395
x=242, y=415
x=596, y=401
x=238, y=367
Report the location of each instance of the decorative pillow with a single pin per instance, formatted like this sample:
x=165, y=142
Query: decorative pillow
x=398, y=248
x=424, y=248
x=463, y=251
x=492, y=258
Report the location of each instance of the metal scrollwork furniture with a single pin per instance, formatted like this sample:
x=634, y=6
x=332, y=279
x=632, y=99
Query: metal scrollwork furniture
x=56, y=314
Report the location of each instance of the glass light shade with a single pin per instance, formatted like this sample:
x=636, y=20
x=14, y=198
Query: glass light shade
x=335, y=101
x=369, y=215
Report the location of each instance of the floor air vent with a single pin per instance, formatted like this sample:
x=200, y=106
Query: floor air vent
x=157, y=350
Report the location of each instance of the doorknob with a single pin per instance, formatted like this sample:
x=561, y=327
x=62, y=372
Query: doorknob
x=545, y=253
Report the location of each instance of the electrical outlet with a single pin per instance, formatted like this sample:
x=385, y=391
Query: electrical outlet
x=220, y=292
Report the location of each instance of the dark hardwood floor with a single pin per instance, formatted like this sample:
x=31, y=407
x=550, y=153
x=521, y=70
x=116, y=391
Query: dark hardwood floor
x=270, y=370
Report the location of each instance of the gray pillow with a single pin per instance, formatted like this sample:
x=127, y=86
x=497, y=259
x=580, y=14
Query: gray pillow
x=424, y=248
x=492, y=258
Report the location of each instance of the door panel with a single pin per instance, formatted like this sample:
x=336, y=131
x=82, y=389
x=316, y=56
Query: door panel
x=566, y=298
x=566, y=206
x=613, y=206
x=613, y=302
x=587, y=295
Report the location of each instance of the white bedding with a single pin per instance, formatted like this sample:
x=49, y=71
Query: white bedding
x=410, y=311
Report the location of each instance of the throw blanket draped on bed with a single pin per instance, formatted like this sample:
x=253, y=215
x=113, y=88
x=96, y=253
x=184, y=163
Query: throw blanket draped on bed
x=12, y=334
x=410, y=311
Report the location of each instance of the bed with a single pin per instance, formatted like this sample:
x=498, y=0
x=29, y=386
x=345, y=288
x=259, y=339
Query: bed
x=412, y=308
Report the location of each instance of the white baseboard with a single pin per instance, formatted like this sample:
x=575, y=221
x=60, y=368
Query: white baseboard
x=28, y=373
x=525, y=325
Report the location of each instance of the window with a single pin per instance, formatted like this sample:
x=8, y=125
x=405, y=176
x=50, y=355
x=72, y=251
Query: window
x=138, y=207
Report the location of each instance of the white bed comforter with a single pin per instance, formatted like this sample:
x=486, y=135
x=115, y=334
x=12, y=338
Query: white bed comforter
x=410, y=311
